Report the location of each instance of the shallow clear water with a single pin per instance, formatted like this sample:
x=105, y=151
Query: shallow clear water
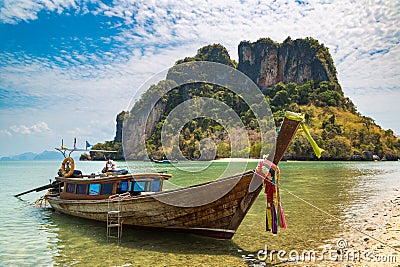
x=31, y=236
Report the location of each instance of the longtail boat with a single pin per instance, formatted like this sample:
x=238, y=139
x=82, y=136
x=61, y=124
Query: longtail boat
x=141, y=203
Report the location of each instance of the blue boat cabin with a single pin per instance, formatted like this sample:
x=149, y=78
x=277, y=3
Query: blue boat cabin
x=103, y=187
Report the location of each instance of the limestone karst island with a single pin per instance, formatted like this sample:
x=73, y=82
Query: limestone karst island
x=297, y=75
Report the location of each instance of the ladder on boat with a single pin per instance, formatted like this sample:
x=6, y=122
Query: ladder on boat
x=114, y=216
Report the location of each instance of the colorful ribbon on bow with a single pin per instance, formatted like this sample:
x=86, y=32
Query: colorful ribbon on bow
x=270, y=174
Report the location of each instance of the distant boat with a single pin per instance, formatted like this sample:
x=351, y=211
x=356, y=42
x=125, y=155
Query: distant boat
x=165, y=161
x=137, y=200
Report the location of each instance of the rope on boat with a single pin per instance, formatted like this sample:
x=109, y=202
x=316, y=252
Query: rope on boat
x=41, y=202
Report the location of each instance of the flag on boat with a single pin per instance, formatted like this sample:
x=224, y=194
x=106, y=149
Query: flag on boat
x=88, y=145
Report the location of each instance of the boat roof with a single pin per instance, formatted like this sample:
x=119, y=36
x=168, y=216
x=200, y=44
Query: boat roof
x=115, y=177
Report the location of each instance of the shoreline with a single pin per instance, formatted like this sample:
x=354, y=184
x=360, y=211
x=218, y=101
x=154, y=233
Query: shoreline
x=378, y=240
x=236, y=160
x=372, y=240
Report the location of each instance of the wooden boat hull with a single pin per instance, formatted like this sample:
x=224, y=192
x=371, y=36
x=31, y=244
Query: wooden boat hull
x=219, y=218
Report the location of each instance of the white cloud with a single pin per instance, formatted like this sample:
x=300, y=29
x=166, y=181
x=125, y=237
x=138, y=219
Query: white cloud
x=22, y=129
x=353, y=30
x=38, y=128
x=5, y=133
x=14, y=11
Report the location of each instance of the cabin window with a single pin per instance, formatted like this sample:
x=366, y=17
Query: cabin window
x=70, y=188
x=81, y=189
x=122, y=187
x=94, y=189
x=106, y=189
x=139, y=186
x=155, y=185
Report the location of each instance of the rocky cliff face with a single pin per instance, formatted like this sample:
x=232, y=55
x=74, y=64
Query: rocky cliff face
x=120, y=121
x=137, y=129
x=268, y=63
x=140, y=122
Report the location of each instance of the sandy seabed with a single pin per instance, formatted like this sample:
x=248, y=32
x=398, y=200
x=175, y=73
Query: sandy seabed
x=373, y=240
x=378, y=238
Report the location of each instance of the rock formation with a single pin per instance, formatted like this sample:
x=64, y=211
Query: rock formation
x=296, y=75
x=120, y=120
x=140, y=122
x=268, y=63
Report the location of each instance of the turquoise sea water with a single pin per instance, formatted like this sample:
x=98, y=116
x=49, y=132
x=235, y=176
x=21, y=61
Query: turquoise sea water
x=31, y=236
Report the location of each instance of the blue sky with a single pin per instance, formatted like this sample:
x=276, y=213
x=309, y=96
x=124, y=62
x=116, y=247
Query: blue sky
x=68, y=67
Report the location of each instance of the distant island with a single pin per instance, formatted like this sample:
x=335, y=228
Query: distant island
x=296, y=75
x=45, y=155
